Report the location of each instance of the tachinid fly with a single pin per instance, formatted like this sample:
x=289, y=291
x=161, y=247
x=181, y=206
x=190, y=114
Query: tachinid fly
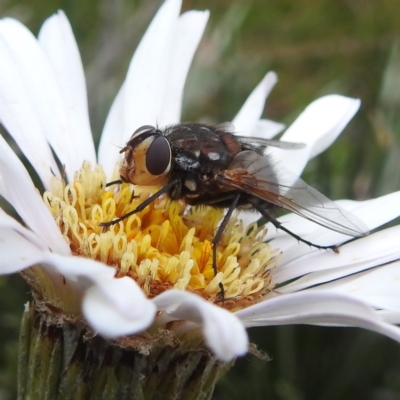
x=209, y=165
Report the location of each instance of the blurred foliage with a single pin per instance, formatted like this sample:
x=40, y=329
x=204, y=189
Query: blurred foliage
x=350, y=47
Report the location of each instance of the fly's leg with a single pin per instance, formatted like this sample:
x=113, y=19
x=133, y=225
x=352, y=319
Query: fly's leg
x=278, y=225
x=117, y=182
x=217, y=238
x=142, y=206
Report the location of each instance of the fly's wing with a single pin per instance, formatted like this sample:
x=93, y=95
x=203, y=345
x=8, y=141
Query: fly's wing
x=280, y=144
x=252, y=173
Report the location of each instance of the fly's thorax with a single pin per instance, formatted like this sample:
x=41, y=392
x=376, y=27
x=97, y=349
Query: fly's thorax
x=198, y=149
x=147, y=158
x=199, y=152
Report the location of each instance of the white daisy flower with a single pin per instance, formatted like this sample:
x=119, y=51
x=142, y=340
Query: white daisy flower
x=154, y=270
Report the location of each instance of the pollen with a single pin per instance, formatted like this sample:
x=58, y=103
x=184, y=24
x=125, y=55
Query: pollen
x=166, y=245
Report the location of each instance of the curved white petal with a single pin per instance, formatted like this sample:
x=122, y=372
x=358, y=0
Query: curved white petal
x=17, y=113
x=379, y=287
x=378, y=248
x=8, y=222
x=118, y=307
x=295, y=306
x=148, y=71
x=373, y=213
x=39, y=92
x=58, y=41
x=17, y=188
x=112, y=136
x=317, y=126
x=187, y=36
x=248, y=116
x=17, y=253
x=223, y=332
x=84, y=271
x=391, y=317
x=140, y=98
x=112, y=306
x=317, y=308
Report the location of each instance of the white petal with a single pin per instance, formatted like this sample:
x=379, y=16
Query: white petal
x=188, y=33
x=189, y=30
x=267, y=129
x=17, y=188
x=378, y=248
x=391, y=317
x=375, y=212
x=8, y=222
x=112, y=136
x=84, y=271
x=118, y=307
x=318, y=126
x=140, y=98
x=40, y=92
x=112, y=306
x=317, y=308
x=147, y=75
x=285, y=308
x=246, y=119
x=58, y=41
x=17, y=253
x=223, y=332
x=17, y=112
x=379, y=287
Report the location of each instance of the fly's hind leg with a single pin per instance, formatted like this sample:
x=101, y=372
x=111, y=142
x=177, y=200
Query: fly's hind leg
x=278, y=225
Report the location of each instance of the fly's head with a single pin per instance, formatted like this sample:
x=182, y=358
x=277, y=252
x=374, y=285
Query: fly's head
x=147, y=157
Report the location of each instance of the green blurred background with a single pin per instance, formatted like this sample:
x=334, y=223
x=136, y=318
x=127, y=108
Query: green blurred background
x=350, y=47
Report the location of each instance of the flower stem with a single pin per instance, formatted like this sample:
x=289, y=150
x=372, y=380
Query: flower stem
x=61, y=361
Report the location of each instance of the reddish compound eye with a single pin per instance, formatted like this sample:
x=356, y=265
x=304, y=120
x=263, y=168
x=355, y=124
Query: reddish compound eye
x=158, y=156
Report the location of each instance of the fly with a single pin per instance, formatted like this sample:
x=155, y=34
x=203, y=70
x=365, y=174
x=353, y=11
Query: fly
x=209, y=165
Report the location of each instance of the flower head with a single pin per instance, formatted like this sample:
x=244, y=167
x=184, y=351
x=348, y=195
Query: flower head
x=154, y=269
x=162, y=247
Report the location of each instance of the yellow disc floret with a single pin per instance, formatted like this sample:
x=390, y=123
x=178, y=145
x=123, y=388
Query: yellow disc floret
x=167, y=245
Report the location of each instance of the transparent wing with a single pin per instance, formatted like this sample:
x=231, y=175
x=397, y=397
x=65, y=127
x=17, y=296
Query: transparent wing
x=253, y=173
x=228, y=127
x=270, y=142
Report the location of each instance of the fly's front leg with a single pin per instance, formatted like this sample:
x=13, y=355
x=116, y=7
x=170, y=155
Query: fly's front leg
x=142, y=206
x=117, y=182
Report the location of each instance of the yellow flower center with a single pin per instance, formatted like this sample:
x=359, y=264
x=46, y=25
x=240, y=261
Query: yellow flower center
x=167, y=245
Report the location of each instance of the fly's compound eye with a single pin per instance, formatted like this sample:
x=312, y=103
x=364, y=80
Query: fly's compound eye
x=158, y=156
x=147, y=157
x=144, y=129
